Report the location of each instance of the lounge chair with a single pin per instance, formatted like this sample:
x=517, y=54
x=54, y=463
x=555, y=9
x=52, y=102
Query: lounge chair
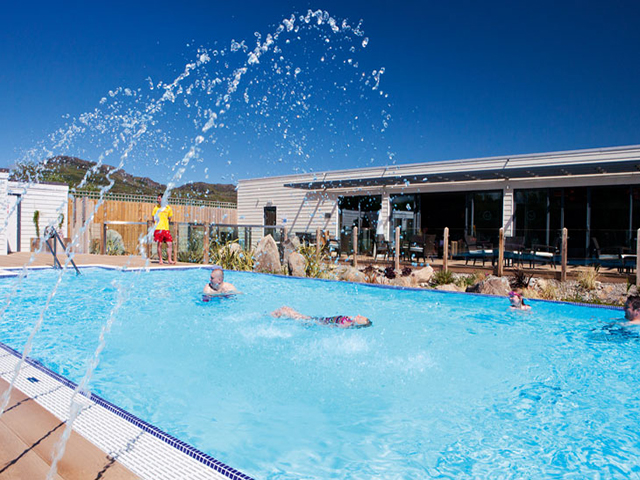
x=514, y=250
x=611, y=257
x=381, y=247
x=430, y=247
x=544, y=254
x=477, y=250
x=416, y=247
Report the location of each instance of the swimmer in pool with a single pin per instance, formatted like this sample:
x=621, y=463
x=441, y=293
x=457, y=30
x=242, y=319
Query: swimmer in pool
x=517, y=300
x=217, y=286
x=632, y=309
x=340, y=321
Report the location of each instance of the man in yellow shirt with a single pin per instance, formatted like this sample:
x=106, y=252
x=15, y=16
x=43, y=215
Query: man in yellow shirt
x=161, y=216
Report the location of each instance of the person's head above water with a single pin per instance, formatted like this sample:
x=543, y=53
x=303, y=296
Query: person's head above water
x=516, y=299
x=632, y=308
x=360, y=321
x=217, y=277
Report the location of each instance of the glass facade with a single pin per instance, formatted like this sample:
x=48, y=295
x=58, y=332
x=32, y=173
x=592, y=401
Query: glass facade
x=598, y=219
x=362, y=212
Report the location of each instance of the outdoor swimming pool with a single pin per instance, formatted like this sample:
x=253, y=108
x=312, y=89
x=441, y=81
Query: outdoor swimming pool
x=443, y=385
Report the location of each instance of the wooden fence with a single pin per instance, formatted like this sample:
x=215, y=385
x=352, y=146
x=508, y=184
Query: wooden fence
x=81, y=209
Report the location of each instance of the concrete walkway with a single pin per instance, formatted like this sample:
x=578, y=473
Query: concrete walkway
x=46, y=260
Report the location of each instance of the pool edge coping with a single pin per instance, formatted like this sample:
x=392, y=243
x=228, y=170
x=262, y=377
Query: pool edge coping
x=146, y=427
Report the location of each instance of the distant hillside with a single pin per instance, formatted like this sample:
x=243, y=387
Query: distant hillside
x=71, y=171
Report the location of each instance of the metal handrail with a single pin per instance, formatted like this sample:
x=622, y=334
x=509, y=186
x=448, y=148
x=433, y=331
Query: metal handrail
x=51, y=233
x=129, y=197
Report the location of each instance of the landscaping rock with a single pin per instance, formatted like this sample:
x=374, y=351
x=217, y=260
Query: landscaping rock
x=297, y=264
x=401, y=282
x=290, y=246
x=350, y=274
x=450, y=287
x=491, y=286
x=115, y=244
x=423, y=275
x=267, y=257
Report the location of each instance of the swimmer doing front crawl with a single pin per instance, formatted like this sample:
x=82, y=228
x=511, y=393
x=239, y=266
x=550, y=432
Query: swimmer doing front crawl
x=339, y=321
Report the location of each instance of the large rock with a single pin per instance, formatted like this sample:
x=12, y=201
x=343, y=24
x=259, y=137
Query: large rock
x=115, y=244
x=297, y=265
x=491, y=286
x=422, y=276
x=267, y=257
x=350, y=274
x=290, y=245
x=402, y=281
x=450, y=287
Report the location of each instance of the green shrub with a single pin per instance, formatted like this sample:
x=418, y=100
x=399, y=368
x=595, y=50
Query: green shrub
x=231, y=259
x=314, y=263
x=195, y=248
x=587, y=278
x=442, y=277
x=465, y=281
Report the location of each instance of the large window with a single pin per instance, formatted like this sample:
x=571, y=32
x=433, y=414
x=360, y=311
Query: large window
x=604, y=217
x=362, y=212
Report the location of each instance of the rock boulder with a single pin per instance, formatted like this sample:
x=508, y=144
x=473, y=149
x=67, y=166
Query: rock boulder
x=297, y=264
x=267, y=257
x=423, y=275
x=491, y=286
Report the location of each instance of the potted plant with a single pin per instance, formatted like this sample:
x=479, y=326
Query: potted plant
x=35, y=242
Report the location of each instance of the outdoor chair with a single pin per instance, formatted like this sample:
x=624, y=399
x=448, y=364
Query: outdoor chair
x=477, y=250
x=416, y=247
x=333, y=245
x=611, y=257
x=381, y=247
x=544, y=254
x=430, y=247
x=513, y=250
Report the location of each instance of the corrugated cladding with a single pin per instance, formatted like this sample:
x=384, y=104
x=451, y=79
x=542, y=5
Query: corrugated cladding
x=49, y=200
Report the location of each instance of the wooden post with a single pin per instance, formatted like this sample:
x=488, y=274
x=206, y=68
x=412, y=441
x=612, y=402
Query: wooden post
x=397, y=250
x=317, y=243
x=563, y=271
x=354, y=234
x=149, y=238
x=176, y=242
x=500, y=266
x=445, y=250
x=638, y=258
x=205, y=243
x=103, y=239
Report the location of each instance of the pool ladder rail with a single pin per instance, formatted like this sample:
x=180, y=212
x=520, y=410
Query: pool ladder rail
x=52, y=234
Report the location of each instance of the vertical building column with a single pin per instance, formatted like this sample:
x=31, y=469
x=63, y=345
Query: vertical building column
x=4, y=192
x=385, y=214
x=508, y=211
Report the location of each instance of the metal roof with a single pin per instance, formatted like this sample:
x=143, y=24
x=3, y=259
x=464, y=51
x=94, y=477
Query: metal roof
x=503, y=173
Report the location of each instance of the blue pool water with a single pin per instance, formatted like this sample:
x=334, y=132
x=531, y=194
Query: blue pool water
x=442, y=386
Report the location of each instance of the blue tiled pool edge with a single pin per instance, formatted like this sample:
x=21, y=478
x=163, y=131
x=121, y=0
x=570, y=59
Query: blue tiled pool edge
x=329, y=280
x=183, y=447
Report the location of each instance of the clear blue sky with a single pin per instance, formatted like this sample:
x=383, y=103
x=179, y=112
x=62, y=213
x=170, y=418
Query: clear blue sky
x=462, y=79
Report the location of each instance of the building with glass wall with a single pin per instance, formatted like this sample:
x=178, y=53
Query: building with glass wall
x=593, y=193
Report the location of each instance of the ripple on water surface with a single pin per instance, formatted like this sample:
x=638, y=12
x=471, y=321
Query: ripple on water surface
x=442, y=385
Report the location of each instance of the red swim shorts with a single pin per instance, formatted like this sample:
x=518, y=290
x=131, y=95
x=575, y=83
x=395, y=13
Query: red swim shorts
x=162, y=236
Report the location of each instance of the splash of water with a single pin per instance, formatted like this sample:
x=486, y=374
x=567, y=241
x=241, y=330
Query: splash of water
x=259, y=98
